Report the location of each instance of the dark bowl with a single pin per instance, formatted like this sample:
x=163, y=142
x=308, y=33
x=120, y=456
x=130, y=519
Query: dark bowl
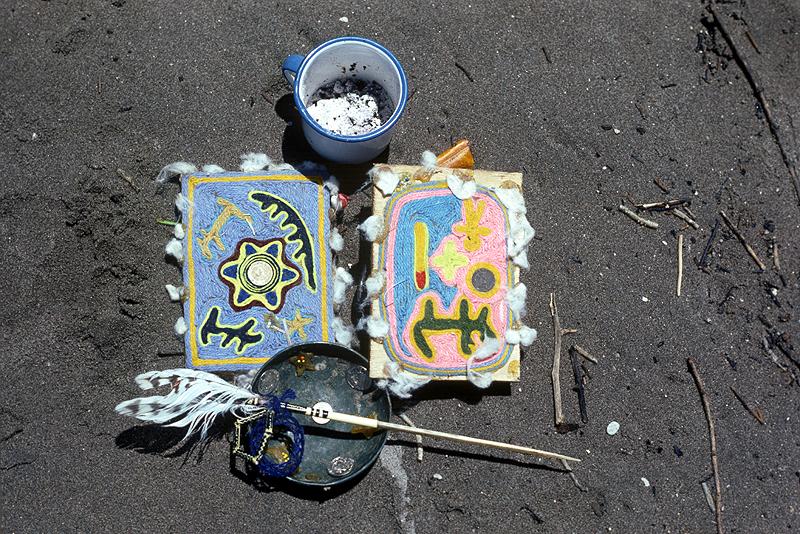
x=337, y=367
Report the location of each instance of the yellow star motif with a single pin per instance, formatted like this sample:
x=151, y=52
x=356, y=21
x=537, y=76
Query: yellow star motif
x=449, y=261
x=302, y=363
x=471, y=228
x=298, y=324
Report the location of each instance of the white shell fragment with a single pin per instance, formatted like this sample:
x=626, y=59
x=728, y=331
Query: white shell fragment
x=612, y=428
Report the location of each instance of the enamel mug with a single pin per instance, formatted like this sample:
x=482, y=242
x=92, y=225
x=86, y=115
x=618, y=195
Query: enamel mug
x=339, y=58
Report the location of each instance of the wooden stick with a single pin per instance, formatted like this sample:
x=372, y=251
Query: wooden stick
x=577, y=373
x=707, y=248
x=714, y=464
x=758, y=92
x=680, y=264
x=688, y=220
x=707, y=493
x=743, y=241
x=772, y=356
x=322, y=413
x=128, y=179
x=660, y=184
x=752, y=41
x=776, y=260
x=776, y=337
x=644, y=222
x=578, y=485
x=583, y=352
x=664, y=204
x=755, y=412
x=555, y=374
x=407, y=420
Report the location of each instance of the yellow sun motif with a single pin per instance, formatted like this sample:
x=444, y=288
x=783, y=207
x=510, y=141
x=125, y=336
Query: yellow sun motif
x=259, y=274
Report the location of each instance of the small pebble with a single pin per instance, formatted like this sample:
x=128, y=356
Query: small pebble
x=617, y=131
x=437, y=476
x=612, y=428
x=344, y=19
x=645, y=299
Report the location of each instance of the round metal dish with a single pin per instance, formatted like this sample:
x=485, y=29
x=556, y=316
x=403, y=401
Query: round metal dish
x=334, y=453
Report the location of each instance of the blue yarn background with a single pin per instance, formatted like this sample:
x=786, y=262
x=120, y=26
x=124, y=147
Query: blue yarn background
x=209, y=289
x=440, y=213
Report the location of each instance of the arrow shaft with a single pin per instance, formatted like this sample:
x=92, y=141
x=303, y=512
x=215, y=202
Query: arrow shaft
x=374, y=423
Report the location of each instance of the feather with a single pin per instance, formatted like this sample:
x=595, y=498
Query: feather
x=195, y=400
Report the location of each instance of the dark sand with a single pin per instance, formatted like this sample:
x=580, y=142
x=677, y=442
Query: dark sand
x=89, y=87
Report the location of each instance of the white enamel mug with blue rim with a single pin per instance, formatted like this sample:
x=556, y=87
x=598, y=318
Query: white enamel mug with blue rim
x=333, y=60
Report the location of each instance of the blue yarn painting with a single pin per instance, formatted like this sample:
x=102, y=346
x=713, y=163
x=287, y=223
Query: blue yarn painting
x=257, y=267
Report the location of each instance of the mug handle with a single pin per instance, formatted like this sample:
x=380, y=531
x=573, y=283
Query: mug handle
x=290, y=67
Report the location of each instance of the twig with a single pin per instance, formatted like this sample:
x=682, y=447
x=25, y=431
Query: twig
x=407, y=420
x=465, y=71
x=755, y=412
x=577, y=373
x=583, y=352
x=743, y=241
x=578, y=485
x=644, y=222
x=712, y=434
x=164, y=354
x=166, y=222
x=752, y=41
x=688, y=220
x=127, y=177
x=555, y=376
x=547, y=55
x=689, y=211
x=777, y=338
x=707, y=248
x=680, y=264
x=286, y=333
x=771, y=353
x=758, y=91
x=773, y=356
x=776, y=260
x=663, y=205
x=707, y=493
x=660, y=184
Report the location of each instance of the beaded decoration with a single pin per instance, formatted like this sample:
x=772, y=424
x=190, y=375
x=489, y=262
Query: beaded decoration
x=274, y=423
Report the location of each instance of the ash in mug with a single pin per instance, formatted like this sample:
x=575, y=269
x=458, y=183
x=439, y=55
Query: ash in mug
x=350, y=106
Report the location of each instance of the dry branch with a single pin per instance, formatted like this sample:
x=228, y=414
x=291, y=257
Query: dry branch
x=713, y=436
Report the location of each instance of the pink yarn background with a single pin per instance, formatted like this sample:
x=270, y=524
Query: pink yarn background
x=492, y=251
